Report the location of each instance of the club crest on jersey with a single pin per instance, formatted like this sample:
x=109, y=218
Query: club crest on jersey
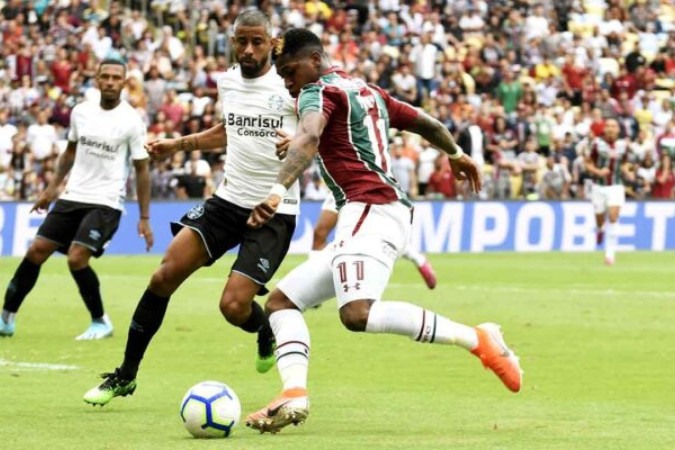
x=275, y=102
x=229, y=96
x=196, y=212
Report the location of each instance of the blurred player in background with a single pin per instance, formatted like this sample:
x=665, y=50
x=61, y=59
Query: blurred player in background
x=327, y=221
x=344, y=123
x=256, y=110
x=102, y=138
x=608, y=194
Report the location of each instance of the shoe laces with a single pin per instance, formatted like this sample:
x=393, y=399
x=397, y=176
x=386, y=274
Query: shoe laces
x=113, y=379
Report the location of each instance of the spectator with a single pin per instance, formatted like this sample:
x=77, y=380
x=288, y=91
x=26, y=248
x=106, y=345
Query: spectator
x=441, y=184
x=555, y=181
x=664, y=182
x=42, y=138
x=7, y=132
x=403, y=168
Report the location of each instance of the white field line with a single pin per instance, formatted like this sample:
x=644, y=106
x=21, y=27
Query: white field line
x=35, y=366
x=573, y=291
x=577, y=289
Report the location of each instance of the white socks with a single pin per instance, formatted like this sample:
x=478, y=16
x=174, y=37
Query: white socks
x=419, y=324
x=292, y=347
x=611, y=240
x=413, y=255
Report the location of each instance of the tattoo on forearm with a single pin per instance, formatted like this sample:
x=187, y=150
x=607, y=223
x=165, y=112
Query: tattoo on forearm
x=294, y=165
x=187, y=144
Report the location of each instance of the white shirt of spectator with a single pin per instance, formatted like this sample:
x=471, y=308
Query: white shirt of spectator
x=425, y=167
x=424, y=58
x=202, y=168
x=253, y=109
x=536, y=27
x=41, y=139
x=106, y=141
x=7, y=132
x=402, y=168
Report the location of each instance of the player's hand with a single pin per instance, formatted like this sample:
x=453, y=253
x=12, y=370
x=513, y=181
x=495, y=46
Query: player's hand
x=263, y=212
x=161, y=148
x=465, y=168
x=604, y=172
x=283, y=143
x=44, y=200
x=145, y=232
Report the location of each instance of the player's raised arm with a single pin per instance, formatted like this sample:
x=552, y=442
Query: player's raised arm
x=63, y=166
x=213, y=139
x=463, y=167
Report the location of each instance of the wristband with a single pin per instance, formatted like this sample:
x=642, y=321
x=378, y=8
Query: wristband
x=457, y=154
x=145, y=217
x=278, y=189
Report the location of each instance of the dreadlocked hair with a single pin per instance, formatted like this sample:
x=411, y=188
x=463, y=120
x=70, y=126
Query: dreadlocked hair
x=297, y=40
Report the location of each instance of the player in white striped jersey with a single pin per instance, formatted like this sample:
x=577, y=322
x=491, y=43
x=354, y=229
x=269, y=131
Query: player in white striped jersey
x=605, y=163
x=102, y=138
x=257, y=110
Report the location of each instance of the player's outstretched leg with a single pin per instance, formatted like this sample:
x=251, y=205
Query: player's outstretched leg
x=115, y=384
x=423, y=266
x=485, y=340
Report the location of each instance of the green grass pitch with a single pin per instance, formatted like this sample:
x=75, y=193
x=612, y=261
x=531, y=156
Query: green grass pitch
x=597, y=345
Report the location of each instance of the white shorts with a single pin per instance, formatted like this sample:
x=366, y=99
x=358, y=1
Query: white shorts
x=359, y=262
x=604, y=197
x=329, y=203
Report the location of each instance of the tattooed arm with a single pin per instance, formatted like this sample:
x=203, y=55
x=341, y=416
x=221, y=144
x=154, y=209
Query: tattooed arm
x=301, y=151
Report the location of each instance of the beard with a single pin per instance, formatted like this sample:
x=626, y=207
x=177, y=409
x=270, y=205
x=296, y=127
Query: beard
x=251, y=68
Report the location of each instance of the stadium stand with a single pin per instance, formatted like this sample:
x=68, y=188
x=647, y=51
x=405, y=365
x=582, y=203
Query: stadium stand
x=524, y=85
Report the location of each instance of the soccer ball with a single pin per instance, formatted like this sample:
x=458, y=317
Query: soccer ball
x=210, y=409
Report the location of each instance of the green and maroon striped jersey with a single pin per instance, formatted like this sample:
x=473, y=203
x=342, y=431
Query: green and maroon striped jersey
x=609, y=155
x=354, y=150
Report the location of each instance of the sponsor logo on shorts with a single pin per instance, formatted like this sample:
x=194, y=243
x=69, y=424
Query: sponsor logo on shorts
x=196, y=212
x=346, y=287
x=264, y=265
x=94, y=235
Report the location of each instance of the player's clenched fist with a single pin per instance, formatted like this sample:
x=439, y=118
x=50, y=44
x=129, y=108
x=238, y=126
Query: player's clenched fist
x=264, y=211
x=159, y=148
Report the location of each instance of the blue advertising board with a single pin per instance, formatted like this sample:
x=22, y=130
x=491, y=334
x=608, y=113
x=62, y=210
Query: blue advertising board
x=439, y=227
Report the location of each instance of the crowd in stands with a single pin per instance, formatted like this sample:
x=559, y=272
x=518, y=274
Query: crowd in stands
x=524, y=85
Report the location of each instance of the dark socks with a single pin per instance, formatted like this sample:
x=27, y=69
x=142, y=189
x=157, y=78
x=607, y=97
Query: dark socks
x=87, y=283
x=146, y=321
x=256, y=320
x=21, y=284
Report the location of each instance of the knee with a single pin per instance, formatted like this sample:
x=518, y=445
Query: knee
x=78, y=258
x=235, y=310
x=278, y=301
x=320, y=236
x=161, y=282
x=354, y=315
x=38, y=252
